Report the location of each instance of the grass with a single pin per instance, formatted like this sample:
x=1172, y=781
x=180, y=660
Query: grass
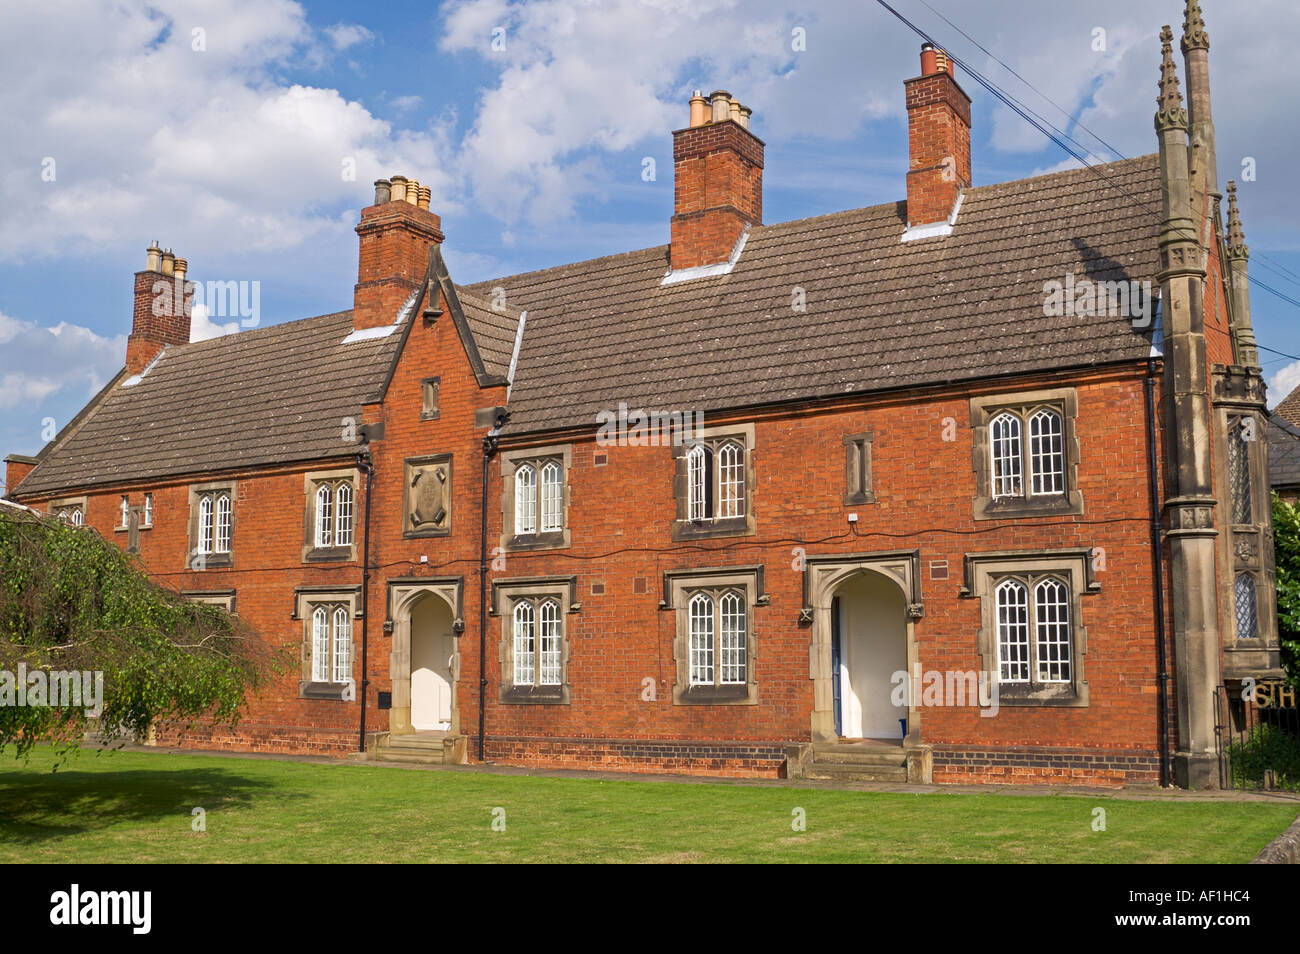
x=137, y=807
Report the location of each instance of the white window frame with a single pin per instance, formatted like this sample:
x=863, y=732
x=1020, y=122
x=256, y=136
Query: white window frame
x=525, y=500
x=717, y=480
x=331, y=642
x=146, y=516
x=124, y=511
x=1025, y=643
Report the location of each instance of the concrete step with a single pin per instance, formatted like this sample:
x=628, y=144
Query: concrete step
x=857, y=772
x=413, y=743
x=882, y=756
x=409, y=758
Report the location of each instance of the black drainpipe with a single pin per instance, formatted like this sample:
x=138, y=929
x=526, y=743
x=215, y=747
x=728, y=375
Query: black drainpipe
x=367, y=464
x=1162, y=666
x=489, y=450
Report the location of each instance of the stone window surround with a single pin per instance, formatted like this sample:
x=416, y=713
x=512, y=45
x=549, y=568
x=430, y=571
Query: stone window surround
x=983, y=409
x=857, y=471
x=537, y=456
x=408, y=466
x=138, y=510
x=64, y=503
x=505, y=593
x=984, y=571
x=310, y=552
x=305, y=598
x=210, y=560
x=685, y=529
x=678, y=587
x=434, y=383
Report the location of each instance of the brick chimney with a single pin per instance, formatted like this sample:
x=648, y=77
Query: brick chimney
x=396, y=235
x=163, y=299
x=938, y=132
x=17, y=466
x=717, y=181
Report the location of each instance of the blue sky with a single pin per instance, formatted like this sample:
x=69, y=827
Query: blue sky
x=228, y=144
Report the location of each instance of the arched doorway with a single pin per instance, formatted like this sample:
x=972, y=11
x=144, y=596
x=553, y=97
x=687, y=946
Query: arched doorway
x=424, y=659
x=868, y=647
x=433, y=650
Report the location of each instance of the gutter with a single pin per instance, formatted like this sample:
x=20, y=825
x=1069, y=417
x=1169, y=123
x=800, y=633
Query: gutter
x=1162, y=665
x=366, y=462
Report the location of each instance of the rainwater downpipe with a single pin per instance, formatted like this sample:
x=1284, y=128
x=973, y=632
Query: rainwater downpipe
x=1162, y=665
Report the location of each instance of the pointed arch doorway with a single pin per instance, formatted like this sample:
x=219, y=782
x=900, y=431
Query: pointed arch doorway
x=424, y=660
x=862, y=610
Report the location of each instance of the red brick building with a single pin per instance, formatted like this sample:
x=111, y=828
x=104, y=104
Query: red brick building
x=963, y=487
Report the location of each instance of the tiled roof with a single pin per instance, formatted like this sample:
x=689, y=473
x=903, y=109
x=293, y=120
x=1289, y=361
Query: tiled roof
x=880, y=313
x=1289, y=408
x=493, y=330
x=266, y=395
x=1283, y=452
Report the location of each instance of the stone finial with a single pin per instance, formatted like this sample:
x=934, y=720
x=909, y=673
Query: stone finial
x=1237, y=247
x=1195, y=36
x=1170, y=100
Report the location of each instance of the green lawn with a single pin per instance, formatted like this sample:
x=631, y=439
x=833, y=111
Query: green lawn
x=137, y=807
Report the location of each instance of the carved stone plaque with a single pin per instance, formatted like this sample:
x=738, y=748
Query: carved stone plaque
x=427, y=510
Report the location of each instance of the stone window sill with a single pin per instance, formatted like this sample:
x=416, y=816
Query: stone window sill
x=333, y=691
x=705, y=529
x=534, y=695
x=328, y=555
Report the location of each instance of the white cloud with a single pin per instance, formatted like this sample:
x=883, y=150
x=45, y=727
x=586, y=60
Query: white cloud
x=1283, y=382
x=37, y=363
x=150, y=137
x=345, y=35
x=203, y=327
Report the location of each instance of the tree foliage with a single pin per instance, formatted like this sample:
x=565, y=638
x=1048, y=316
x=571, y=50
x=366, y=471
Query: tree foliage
x=1286, y=551
x=70, y=601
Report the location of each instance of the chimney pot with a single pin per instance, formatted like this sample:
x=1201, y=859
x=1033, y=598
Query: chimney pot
x=398, y=191
x=168, y=262
x=412, y=192
x=425, y=195
x=721, y=100
x=153, y=257
x=383, y=191
x=699, y=110
x=733, y=110
x=745, y=113
x=181, y=267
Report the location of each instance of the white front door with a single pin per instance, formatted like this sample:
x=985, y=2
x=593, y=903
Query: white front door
x=873, y=647
x=432, y=647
